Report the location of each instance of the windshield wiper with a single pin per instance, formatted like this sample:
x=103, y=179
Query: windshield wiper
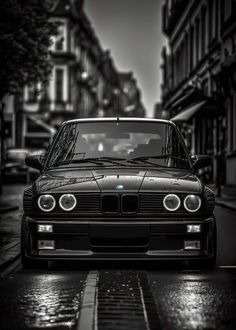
x=145, y=159
x=113, y=160
x=94, y=160
x=159, y=157
x=68, y=162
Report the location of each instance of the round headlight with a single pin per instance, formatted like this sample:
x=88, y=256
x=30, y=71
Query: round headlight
x=171, y=202
x=67, y=202
x=46, y=203
x=192, y=203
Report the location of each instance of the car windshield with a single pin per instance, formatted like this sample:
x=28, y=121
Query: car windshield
x=118, y=142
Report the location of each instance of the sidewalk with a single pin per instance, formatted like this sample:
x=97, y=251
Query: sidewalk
x=10, y=198
x=227, y=197
x=10, y=223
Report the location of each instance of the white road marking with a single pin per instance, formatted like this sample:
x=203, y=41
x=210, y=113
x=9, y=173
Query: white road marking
x=144, y=306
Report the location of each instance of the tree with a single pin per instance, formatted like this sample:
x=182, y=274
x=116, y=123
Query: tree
x=25, y=39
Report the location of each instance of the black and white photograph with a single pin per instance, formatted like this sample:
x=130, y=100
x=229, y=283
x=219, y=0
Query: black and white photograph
x=117, y=164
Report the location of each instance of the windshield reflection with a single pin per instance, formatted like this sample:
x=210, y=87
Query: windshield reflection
x=115, y=143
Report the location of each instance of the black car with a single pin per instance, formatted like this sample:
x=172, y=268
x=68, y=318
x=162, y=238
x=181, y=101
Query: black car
x=115, y=189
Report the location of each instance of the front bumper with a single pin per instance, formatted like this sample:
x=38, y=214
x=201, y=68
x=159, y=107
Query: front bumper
x=120, y=239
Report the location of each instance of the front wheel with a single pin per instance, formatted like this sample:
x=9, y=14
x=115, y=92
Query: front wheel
x=26, y=261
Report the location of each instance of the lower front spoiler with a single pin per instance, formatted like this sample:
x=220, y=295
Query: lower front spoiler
x=156, y=240
x=160, y=256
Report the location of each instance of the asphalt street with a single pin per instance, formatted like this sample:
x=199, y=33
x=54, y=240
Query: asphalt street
x=127, y=296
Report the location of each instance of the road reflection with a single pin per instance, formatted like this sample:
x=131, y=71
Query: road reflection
x=196, y=301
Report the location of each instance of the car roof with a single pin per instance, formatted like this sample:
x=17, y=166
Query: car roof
x=117, y=119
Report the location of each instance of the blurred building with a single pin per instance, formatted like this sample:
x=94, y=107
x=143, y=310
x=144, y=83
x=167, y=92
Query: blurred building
x=84, y=81
x=199, y=78
x=159, y=112
x=130, y=98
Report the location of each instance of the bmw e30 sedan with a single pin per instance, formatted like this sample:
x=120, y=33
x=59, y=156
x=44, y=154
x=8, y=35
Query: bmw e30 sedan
x=115, y=189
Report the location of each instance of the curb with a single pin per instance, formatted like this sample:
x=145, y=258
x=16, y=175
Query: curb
x=9, y=253
x=228, y=206
x=87, y=313
x=9, y=266
x=6, y=209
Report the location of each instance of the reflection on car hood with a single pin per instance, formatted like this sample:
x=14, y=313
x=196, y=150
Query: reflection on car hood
x=118, y=179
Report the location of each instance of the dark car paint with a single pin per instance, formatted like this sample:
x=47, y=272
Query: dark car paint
x=106, y=180
x=82, y=234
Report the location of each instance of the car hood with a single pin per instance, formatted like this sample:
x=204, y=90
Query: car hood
x=119, y=180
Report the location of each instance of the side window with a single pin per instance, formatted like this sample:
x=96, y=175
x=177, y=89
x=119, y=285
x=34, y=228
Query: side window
x=64, y=148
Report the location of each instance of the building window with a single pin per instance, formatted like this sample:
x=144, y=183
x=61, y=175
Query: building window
x=77, y=52
x=197, y=39
x=210, y=20
x=233, y=5
x=186, y=55
x=61, y=40
x=182, y=64
x=59, y=82
x=191, y=48
x=72, y=41
x=232, y=123
x=203, y=32
x=226, y=9
x=33, y=92
x=216, y=17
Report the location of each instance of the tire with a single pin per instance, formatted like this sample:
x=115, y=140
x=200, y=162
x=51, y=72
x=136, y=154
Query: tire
x=25, y=261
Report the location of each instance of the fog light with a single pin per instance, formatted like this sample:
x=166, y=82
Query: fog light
x=45, y=228
x=46, y=245
x=192, y=245
x=193, y=228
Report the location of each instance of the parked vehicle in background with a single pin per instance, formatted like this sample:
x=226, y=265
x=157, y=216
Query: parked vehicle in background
x=14, y=168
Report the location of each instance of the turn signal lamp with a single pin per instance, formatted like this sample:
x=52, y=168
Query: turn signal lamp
x=45, y=228
x=192, y=245
x=193, y=228
x=46, y=245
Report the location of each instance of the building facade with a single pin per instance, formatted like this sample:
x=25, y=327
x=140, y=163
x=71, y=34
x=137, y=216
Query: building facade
x=84, y=81
x=199, y=79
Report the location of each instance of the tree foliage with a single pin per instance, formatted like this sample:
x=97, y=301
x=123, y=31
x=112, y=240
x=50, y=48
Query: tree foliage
x=25, y=38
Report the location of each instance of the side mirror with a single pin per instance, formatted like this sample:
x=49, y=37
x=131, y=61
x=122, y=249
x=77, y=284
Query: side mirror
x=35, y=161
x=201, y=161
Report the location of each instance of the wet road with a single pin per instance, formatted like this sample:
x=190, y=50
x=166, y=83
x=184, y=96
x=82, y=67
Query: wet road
x=195, y=300
x=127, y=296
x=40, y=299
x=125, y=299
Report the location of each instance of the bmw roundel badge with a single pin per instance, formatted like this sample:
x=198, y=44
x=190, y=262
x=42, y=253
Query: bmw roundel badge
x=119, y=187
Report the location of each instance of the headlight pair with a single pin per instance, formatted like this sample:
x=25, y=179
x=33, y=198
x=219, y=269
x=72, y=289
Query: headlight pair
x=47, y=203
x=192, y=203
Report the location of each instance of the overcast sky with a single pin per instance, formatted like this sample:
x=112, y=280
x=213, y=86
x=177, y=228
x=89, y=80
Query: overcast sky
x=131, y=29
